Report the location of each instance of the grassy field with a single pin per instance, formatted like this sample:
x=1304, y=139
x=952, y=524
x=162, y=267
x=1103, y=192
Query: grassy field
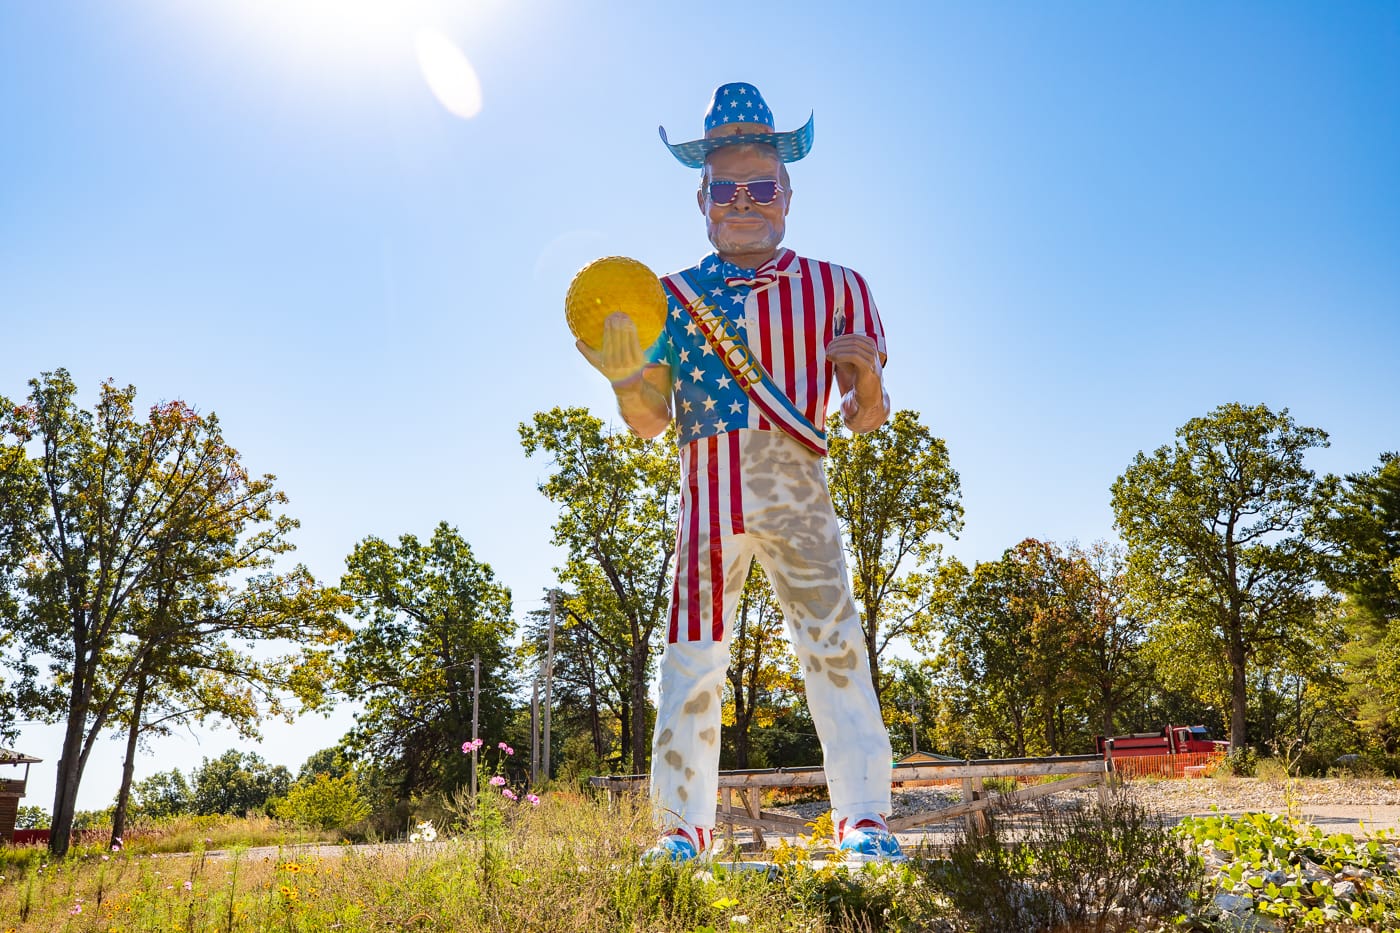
x=570, y=864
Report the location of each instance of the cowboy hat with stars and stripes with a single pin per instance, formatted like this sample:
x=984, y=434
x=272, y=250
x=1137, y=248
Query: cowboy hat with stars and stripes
x=739, y=116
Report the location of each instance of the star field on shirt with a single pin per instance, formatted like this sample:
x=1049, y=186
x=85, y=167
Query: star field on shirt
x=786, y=320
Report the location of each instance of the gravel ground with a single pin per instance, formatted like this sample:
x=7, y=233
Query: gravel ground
x=1338, y=805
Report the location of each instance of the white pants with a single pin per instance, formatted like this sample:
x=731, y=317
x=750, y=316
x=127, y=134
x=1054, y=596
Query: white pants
x=780, y=513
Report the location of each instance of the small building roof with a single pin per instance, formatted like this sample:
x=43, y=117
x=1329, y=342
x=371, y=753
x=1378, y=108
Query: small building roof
x=9, y=756
x=916, y=757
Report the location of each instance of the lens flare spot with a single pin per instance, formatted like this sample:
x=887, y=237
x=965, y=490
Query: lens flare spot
x=450, y=77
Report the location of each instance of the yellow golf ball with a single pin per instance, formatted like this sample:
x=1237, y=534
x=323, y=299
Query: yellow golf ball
x=611, y=284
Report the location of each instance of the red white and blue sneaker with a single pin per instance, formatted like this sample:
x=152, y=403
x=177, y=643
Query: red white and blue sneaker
x=868, y=839
x=685, y=844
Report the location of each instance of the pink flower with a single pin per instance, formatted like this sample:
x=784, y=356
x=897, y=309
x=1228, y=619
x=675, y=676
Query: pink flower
x=473, y=745
x=502, y=746
x=509, y=750
x=189, y=885
x=76, y=909
x=509, y=794
x=498, y=781
x=534, y=799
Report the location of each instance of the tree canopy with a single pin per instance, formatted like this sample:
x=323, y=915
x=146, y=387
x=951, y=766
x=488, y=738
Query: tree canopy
x=617, y=496
x=426, y=611
x=1217, y=537
x=895, y=491
x=110, y=520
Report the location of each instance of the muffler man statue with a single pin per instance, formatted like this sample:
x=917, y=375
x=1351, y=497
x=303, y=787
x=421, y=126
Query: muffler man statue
x=755, y=335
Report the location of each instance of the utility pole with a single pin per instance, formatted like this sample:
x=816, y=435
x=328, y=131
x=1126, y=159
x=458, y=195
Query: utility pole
x=535, y=730
x=914, y=706
x=549, y=680
x=476, y=700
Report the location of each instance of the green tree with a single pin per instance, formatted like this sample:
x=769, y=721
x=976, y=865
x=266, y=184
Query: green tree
x=589, y=693
x=894, y=490
x=1299, y=699
x=165, y=793
x=1109, y=636
x=1361, y=521
x=191, y=624
x=911, y=706
x=324, y=801
x=110, y=505
x=237, y=783
x=617, y=496
x=32, y=817
x=760, y=666
x=425, y=612
x=333, y=762
x=982, y=680
x=1035, y=653
x=1215, y=527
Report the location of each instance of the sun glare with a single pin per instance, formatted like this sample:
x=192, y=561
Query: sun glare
x=449, y=74
x=322, y=38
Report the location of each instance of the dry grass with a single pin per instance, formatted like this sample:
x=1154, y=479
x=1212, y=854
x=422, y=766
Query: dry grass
x=569, y=865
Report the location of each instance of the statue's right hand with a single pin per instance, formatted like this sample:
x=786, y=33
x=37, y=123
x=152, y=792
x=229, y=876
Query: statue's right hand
x=620, y=357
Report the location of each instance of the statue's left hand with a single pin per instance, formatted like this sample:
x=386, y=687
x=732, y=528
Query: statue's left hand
x=860, y=376
x=857, y=355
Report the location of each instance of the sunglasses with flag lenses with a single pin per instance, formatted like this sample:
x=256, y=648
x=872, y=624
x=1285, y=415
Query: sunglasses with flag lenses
x=760, y=191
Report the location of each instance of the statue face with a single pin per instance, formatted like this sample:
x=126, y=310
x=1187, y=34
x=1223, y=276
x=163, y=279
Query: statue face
x=743, y=231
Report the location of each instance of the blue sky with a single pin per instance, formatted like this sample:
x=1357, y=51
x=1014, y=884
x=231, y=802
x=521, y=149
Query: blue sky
x=1084, y=224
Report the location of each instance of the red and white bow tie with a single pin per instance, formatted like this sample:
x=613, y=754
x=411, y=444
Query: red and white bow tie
x=761, y=280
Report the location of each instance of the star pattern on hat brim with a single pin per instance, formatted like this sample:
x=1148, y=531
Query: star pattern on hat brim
x=791, y=146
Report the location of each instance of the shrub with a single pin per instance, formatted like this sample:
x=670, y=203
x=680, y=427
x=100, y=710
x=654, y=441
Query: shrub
x=1096, y=868
x=326, y=802
x=1241, y=762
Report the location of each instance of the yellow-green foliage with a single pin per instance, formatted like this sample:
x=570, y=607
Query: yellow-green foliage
x=327, y=802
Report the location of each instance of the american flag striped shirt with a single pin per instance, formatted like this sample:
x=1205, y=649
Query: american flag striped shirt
x=788, y=310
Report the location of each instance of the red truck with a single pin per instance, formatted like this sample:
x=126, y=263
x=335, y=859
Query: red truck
x=1169, y=740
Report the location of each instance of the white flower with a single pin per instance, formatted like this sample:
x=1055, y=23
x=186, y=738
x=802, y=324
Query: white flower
x=741, y=919
x=426, y=832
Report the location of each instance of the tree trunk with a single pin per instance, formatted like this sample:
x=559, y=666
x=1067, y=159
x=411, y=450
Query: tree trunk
x=1239, y=690
x=129, y=766
x=742, y=720
x=640, y=746
x=65, y=793
x=1106, y=704
x=1052, y=737
x=624, y=719
x=868, y=628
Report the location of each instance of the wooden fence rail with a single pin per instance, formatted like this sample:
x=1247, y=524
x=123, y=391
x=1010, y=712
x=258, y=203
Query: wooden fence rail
x=1056, y=774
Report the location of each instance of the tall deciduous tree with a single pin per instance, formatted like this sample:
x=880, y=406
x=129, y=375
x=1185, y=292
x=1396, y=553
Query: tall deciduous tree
x=894, y=490
x=983, y=680
x=617, y=496
x=1109, y=634
x=238, y=783
x=192, y=623
x=106, y=501
x=760, y=665
x=1215, y=529
x=426, y=611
